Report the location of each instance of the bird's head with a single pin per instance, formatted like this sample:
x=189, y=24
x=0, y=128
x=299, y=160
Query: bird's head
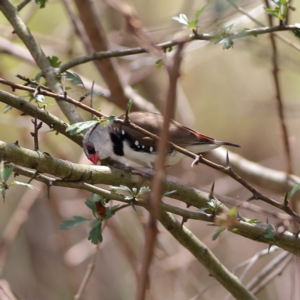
x=96, y=143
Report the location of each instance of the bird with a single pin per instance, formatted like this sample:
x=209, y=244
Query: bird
x=117, y=140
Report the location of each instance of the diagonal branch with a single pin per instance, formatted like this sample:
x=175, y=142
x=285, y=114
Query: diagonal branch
x=83, y=177
x=39, y=56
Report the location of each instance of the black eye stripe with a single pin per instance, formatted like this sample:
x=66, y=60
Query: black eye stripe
x=90, y=148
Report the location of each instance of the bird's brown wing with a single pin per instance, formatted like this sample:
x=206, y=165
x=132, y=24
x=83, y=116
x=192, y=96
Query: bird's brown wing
x=180, y=135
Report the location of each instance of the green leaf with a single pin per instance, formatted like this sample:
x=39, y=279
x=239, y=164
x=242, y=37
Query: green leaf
x=159, y=64
x=129, y=104
x=7, y=108
x=294, y=191
x=41, y=3
x=96, y=197
x=114, y=189
x=6, y=172
x=111, y=118
x=144, y=190
x=54, y=61
x=95, y=235
x=3, y=193
x=270, y=233
x=273, y=12
x=110, y=211
x=79, y=127
x=253, y=221
x=199, y=12
x=217, y=233
x=94, y=93
x=227, y=43
x=77, y=220
x=74, y=77
x=38, y=76
x=23, y=184
x=91, y=205
x=203, y=209
x=232, y=212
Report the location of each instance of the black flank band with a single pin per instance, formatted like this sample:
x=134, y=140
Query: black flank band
x=117, y=144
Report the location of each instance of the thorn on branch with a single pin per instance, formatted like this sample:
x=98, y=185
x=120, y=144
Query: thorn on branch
x=36, y=173
x=253, y=197
x=196, y=160
x=296, y=234
x=227, y=161
x=132, y=202
x=211, y=194
x=286, y=201
x=49, y=184
x=184, y=220
x=17, y=143
x=37, y=127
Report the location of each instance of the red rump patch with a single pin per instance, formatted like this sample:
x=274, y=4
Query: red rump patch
x=199, y=135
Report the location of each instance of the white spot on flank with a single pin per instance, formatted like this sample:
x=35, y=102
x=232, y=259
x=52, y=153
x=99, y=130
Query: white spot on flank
x=123, y=132
x=136, y=143
x=143, y=146
x=151, y=149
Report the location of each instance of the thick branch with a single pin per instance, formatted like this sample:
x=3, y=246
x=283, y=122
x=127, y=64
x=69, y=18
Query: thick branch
x=187, y=239
x=83, y=176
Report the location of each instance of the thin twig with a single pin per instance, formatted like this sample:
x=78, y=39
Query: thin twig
x=22, y=5
x=168, y=45
x=157, y=183
x=263, y=283
x=78, y=27
x=269, y=268
x=279, y=98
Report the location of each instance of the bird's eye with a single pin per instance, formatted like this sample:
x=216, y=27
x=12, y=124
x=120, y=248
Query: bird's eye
x=90, y=148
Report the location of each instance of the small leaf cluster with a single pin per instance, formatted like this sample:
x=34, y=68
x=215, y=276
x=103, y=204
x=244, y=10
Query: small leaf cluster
x=5, y=173
x=213, y=206
x=280, y=10
x=79, y=127
x=41, y=3
x=134, y=193
x=191, y=24
x=224, y=37
x=95, y=205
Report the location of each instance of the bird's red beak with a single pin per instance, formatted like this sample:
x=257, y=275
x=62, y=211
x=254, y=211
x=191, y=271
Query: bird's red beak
x=94, y=158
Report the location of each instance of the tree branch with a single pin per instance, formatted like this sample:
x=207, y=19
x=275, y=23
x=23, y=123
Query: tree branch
x=83, y=176
x=11, y=13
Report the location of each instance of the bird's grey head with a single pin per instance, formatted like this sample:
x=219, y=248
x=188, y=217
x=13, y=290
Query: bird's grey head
x=97, y=143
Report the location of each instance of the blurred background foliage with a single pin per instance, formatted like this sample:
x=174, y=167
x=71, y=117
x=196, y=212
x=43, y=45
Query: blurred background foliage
x=227, y=94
